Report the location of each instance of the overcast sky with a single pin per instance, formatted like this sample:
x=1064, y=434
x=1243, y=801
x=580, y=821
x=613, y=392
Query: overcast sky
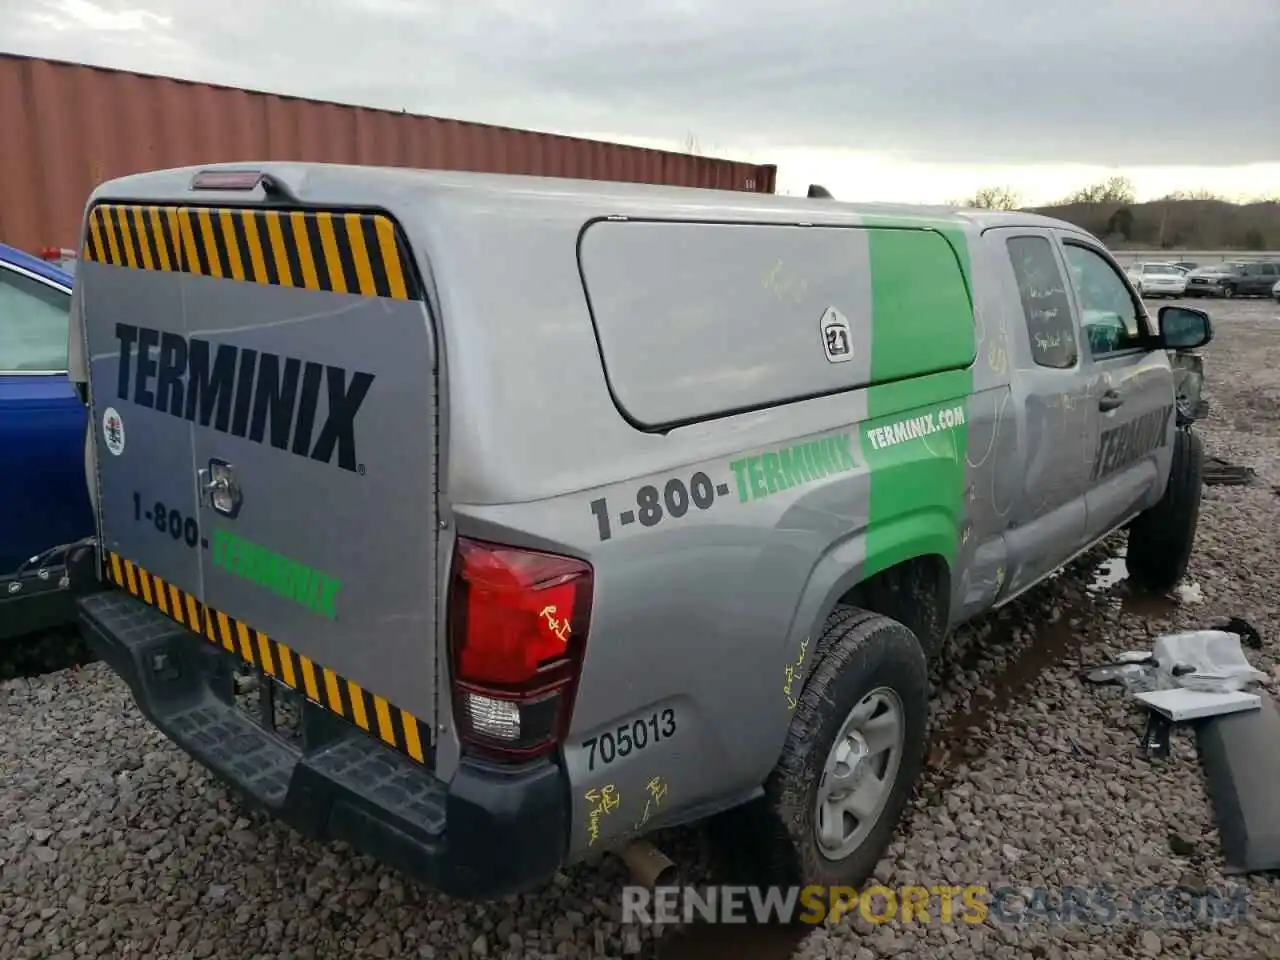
x=916, y=100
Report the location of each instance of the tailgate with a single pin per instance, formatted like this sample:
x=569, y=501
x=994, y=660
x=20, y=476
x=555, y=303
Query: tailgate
x=264, y=393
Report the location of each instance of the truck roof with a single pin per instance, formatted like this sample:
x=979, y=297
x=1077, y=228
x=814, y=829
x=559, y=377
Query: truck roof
x=320, y=182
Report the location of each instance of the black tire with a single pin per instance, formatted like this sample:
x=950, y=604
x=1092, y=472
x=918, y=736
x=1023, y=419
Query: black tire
x=773, y=840
x=1228, y=291
x=1161, y=537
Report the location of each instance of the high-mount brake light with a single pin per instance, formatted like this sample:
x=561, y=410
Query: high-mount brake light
x=226, y=180
x=518, y=622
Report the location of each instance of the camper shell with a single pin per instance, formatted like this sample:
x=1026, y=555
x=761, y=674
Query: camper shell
x=487, y=521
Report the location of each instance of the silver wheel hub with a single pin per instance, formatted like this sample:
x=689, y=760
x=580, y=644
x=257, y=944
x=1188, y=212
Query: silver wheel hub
x=859, y=773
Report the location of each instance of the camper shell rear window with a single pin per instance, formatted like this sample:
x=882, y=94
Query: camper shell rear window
x=699, y=320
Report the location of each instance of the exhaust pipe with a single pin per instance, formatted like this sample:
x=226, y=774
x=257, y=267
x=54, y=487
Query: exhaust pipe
x=649, y=866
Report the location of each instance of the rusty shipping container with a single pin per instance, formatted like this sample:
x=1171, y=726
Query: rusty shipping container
x=65, y=128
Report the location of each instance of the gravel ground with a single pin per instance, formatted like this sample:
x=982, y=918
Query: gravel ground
x=113, y=844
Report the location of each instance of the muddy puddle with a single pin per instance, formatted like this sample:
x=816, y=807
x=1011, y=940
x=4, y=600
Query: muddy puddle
x=1055, y=642
x=1110, y=573
x=1111, y=579
x=965, y=737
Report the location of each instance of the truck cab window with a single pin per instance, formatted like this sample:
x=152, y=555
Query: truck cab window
x=33, y=325
x=1045, y=307
x=1110, y=317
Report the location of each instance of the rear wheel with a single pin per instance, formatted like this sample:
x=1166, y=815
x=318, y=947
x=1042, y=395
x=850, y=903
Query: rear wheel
x=1161, y=537
x=851, y=758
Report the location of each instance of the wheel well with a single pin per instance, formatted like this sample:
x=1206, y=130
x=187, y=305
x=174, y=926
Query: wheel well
x=915, y=592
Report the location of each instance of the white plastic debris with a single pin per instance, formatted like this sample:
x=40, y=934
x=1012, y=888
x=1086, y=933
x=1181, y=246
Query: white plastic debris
x=1184, y=704
x=1216, y=659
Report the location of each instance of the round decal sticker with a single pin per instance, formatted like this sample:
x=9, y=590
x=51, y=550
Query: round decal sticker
x=113, y=431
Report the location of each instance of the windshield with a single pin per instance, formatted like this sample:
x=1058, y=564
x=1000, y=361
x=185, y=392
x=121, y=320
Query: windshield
x=1163, y=268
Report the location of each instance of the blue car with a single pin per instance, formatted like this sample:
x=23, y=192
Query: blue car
x=44, y=502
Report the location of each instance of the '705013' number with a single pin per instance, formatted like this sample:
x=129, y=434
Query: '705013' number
x=628, y=738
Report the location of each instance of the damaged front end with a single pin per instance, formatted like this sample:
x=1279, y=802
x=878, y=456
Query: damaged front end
x=1188, y=379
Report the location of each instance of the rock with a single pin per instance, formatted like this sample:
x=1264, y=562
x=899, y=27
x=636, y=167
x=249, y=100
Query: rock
x=886, y=942
x=630, y=941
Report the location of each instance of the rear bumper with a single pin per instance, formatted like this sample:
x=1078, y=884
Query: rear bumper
x=487, y=833
x=31, y=603
x=42, y=597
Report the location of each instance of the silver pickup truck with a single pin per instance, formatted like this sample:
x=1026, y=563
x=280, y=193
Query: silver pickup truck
x=484, y=522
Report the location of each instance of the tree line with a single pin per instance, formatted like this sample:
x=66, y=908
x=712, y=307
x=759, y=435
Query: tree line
x=1184, y=219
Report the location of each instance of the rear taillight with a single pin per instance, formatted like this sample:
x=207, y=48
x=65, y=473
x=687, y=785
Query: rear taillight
x=518, y=623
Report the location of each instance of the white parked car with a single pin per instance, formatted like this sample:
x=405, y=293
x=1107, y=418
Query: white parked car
x=1158, y=279
x=1275, y=291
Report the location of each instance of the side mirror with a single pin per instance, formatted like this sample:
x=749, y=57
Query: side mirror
x=1182, y=328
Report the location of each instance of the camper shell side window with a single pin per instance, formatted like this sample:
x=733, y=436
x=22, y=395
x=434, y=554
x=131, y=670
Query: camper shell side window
x=702, y=320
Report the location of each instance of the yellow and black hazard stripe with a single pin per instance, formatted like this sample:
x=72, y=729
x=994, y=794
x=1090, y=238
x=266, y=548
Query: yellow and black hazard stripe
x=373, y=714
x=337, y=252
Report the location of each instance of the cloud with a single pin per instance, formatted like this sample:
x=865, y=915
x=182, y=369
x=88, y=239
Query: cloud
x=84, y=15
x=932, y=82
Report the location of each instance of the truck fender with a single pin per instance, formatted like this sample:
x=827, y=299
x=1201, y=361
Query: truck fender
x=841, y=568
